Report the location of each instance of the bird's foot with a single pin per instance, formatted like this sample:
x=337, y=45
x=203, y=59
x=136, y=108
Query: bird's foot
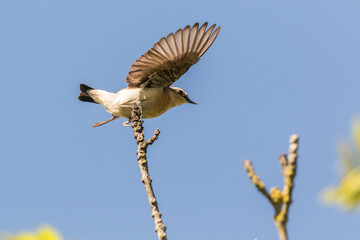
x=126, y=124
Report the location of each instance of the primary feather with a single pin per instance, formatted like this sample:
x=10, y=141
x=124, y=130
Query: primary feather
x=171, y=57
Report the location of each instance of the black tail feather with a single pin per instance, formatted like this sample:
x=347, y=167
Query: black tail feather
x=84, y=96
x=84, y=88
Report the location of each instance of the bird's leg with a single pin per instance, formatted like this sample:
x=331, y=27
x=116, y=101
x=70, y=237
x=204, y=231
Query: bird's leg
x=102, y=123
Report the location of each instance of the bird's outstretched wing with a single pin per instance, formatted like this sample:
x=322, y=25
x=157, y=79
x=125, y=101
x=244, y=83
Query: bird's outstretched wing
x=171, y=57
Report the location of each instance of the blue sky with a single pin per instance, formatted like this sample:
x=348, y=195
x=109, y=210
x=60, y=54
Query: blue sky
x=277, y=67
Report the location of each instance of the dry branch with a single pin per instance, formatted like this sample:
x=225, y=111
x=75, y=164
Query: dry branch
x=138, y=129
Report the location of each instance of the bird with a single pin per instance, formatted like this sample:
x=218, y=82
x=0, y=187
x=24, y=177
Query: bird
x=152, y=74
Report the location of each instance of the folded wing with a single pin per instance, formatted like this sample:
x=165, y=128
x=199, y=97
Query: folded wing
x=171, y=57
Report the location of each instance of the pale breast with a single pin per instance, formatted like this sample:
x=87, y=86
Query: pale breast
x=154, y=102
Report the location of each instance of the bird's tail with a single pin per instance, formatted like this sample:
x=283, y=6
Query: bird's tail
x=84, y=96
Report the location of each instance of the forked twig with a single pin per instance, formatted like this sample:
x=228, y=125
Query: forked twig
x=138, y=129
x=280, y=200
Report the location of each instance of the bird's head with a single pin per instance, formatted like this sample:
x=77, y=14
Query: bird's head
x=181, y=97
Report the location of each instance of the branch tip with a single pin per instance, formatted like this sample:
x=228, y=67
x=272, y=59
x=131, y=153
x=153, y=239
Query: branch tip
x=280, y=200
x=294, y=138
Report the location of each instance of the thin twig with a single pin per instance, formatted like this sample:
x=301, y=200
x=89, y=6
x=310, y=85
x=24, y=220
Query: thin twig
x=255, y=179
x=138, y=129
x=280, y=200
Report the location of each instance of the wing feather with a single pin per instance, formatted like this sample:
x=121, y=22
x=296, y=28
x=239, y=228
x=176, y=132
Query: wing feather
x=172, y=44
x=171, y=57
x=193, y=34
x=158, y=54
x=205, y=39
x=179, y=41
x=210, y=41
x=199, y=36
x=186, y=36
x=165, y=45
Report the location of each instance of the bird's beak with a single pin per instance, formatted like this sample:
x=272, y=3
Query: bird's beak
x=189, y=101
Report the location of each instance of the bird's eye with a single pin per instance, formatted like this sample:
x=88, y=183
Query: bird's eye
x=182, y=93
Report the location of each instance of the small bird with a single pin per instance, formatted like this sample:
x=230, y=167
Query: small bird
x=151, y=76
